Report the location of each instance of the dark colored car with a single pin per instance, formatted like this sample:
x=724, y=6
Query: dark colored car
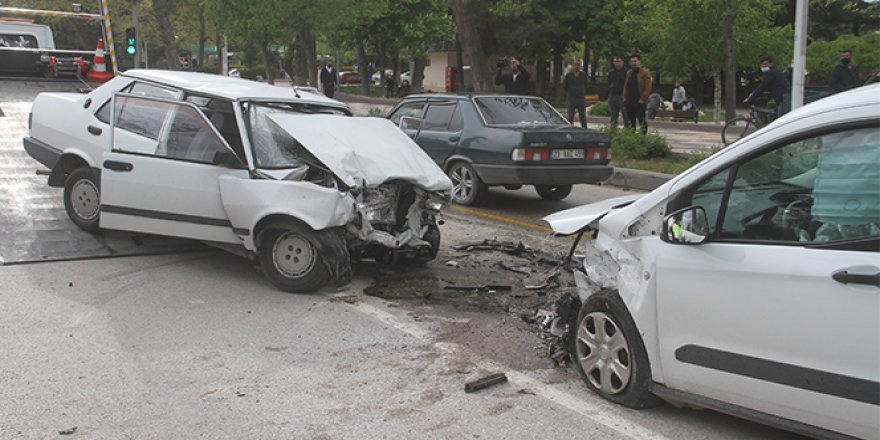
x=505, y=140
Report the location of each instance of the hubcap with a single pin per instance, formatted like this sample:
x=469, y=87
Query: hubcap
x=603, y=353
x=293, y=255
x=462, y=183
x=85, y=199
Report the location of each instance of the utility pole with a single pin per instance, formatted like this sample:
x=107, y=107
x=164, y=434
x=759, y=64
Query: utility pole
x=800, y=54
x=134, y=23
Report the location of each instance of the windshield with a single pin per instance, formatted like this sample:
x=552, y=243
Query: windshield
x=275, y=148
x=516, y=110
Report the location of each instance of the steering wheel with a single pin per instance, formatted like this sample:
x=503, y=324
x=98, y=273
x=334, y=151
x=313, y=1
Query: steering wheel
x=796, y=214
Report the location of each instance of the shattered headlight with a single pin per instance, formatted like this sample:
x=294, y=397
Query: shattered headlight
x=433, y=204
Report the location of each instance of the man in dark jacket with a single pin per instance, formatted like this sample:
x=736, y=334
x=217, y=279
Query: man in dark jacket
x=636, y=89
x=616, y=78
x=329, y=78
x=845, y=75
x=515, y=81
x=575, y=86
x=773, y=82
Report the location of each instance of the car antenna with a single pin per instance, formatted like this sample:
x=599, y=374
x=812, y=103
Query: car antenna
x=292, y=84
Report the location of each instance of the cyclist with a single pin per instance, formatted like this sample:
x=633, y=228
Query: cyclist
x=772, y=81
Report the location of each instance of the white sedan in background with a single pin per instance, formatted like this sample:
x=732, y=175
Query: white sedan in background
x=749, y=284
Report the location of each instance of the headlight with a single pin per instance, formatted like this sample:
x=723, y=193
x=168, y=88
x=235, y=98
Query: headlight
x=433, y=204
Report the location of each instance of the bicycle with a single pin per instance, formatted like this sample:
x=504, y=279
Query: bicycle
x=742, y=126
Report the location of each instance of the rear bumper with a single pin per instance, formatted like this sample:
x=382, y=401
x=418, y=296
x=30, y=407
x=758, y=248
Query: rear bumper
x=542, y=175
x=42, y=152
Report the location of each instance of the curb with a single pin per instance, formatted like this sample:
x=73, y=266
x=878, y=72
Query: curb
x=637, y=179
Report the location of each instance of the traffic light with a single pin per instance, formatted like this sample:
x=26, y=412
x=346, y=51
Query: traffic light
x=130, y=42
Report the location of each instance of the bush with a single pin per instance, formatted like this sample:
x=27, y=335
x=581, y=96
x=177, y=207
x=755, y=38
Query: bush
x=629, y=144
x=600, y=108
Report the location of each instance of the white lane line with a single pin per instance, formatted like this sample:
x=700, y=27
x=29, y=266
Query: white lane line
x=549, y=392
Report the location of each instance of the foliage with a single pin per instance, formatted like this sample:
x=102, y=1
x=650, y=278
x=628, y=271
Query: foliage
x=675, y=163
x=630, y=144
x=600, y=109
x=823, y=55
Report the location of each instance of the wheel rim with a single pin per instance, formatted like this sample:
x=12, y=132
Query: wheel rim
x=462, y=184
x=85, y=199
x=738, y=129
x=603, y=353
x=293, y=255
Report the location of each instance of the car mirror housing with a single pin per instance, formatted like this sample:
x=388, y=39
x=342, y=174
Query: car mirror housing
x=410, y=123
x=686, y=226
x=228, y=159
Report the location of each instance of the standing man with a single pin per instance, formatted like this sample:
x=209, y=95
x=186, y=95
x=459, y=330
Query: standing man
x=636, y=89
x=575, y=86
x=515, y=81
x=772, y=81
x=329, y=79
x=616, y=79
x=845, y=75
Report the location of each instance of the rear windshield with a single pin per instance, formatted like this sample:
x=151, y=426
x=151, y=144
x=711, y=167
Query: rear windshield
x=516, y=110
x=18, y=40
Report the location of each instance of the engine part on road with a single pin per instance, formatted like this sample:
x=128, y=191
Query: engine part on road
x=485, y=382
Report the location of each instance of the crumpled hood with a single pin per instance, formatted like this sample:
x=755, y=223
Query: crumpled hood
x=373, y=150
x=574, y=219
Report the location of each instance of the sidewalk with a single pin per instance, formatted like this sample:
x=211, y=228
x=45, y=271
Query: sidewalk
x=683, y=137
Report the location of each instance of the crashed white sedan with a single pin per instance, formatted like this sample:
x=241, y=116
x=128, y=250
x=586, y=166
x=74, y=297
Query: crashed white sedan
x=749, y=284
x=278, y=174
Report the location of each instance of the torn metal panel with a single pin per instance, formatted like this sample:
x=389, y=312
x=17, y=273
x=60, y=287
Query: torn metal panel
x=572, y=220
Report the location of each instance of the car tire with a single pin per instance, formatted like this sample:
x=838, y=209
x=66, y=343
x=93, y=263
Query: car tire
x=82, y=198
x=467, y=187
x=553, y=192
x=609, y=354
x=290, y=258
x=736, y=129
x=432, y=236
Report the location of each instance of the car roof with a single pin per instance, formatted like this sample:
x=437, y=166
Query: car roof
x=466, y=96
x=228, y=87
x=857, y=97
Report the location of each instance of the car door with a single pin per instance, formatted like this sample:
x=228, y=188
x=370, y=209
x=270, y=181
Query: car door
x=780, y=310
x=160, y=176
x=441, y=130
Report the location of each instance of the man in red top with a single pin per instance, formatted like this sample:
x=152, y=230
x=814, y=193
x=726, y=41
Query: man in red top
x=636, y=88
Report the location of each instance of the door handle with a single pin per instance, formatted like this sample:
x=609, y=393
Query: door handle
x=853, y=275
x=118, y=166
x=94, y=130
x=454, y=139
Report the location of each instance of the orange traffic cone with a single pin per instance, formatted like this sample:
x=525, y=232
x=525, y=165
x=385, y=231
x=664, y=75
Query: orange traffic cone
x=98, y=72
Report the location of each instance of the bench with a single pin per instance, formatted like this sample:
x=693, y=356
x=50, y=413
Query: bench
x=679, y=115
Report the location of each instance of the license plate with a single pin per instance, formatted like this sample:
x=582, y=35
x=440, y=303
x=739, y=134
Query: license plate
x=567, y=154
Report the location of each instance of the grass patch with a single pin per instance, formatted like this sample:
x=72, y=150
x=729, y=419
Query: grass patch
x=673, y=163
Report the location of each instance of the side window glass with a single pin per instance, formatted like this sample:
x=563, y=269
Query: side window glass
x=140, y=116
x=153, y=91
x=456, y=124
x=412, y=109
x=438, y=116
x=821, y=189
x=709, y=195
x=190, y=137
x=103, y=113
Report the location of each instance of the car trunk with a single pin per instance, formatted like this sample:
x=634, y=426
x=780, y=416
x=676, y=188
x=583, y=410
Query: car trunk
x=565, y=146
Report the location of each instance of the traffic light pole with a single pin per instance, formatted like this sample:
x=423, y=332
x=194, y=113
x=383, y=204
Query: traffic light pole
x=134, y=23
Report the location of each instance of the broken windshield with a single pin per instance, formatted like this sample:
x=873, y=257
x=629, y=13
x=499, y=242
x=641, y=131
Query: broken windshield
x=274, y=147
x=518, y=110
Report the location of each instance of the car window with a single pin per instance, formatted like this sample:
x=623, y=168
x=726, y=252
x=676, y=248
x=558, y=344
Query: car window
x=412, y=109
x=103, y=113
x=438, y=116
x=139, y=116
x=154, y=91
x=222, y=115
x=456, y=124
x=515, y=110
x=273, y=147
x=823, y=189
x=18, y=40
x=190, y=137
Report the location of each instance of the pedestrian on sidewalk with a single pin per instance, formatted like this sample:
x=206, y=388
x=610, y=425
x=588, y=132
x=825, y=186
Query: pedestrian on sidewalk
x=389, y=86
x=616, y=79
x=678, y=96
x=575, y=86
x=636, y=89
x=329, y=79
x=845, y=75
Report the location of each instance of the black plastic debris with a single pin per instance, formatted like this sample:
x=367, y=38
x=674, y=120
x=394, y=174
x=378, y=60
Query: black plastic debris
x=70, y=431
x=485, y=382
x=516, y=249
x=557, y=326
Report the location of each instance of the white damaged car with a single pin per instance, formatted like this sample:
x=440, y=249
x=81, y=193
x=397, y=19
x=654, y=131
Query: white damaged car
x=278, y=174
x=749, y=284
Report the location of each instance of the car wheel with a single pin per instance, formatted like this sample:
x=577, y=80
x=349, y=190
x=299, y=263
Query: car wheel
x=82, y=198
x=467, y=187
x=290, y=258
x=553, y=192
x=609, y=354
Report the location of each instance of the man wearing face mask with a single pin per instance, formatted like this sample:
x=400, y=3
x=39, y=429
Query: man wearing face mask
x=845, y=74
x=773, y=82
x=329, y=78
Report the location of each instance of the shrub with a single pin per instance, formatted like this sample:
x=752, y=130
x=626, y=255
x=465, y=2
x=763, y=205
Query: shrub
x=629, y=144
x=600, y=108
x=376, y=112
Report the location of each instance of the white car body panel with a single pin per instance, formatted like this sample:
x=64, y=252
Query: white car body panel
x=764, y=301
x=370, y=150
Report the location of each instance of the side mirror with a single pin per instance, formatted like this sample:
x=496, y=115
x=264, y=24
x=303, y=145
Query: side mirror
x=228, y=159
x=408, y=123
x=686, y=226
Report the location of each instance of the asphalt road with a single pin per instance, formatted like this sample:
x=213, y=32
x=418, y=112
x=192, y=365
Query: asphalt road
x=198, y=344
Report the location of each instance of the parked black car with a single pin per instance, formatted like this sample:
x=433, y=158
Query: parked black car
x=505, y=140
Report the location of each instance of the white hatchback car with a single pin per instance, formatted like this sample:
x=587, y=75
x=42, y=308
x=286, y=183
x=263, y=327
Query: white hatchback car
x=278, y=174
x=749, y=284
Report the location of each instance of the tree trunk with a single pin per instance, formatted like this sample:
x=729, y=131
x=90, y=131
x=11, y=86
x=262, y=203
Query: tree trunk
x=267, y=63
x=540, y=77
x=418, y=73
x=166, y=34
x=472, y=46
x=202, y=38
x=308, y=62
x=717, y=107
x=729, y=64
x=557, y=74
x=362, y=70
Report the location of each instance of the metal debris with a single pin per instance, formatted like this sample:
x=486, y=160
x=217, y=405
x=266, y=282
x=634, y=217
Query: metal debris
x=70, y=431
x=452, y=263
x=540, y=283
x=518, y=268
x=557, y=325
x=483, y=288
x=517, y=249
x=485, y=382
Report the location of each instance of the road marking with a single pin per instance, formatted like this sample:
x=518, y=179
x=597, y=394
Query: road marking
x=500, y=218
x=618, y=424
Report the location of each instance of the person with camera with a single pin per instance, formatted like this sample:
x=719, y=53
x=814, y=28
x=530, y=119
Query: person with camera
x=515, y=81
x=575, y=86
